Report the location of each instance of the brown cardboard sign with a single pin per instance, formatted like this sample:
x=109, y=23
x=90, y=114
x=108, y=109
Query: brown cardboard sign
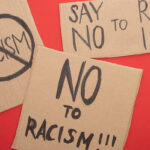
x=104, y=28
x=76, y=103
x=18, y=41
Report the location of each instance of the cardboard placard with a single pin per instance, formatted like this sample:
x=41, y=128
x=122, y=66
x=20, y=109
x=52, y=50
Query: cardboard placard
x=18, y=41
x=79, y=104
x=104, y=28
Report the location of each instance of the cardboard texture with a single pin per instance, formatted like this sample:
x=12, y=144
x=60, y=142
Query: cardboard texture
x=104, y=28
x=79, y=104
x=19, y=37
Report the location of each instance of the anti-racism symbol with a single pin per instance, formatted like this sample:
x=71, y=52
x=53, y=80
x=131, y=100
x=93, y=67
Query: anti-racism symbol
x=16, y=48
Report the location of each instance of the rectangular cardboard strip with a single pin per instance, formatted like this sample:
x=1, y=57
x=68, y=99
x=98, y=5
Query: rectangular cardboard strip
x=79, y=104
x=19, y=38
x=104, y=28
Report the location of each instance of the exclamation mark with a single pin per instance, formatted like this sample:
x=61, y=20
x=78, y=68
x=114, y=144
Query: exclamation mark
x=113, y=141
x=100, y=139
x=107, y=139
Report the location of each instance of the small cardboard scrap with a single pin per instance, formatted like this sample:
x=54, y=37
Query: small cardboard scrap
x=19, y=37
x=104, y=28
x=76, y=103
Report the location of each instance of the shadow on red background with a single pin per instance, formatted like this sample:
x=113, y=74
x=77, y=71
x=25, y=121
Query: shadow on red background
x=46, y=16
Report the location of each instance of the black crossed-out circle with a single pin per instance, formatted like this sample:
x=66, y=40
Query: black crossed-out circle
x=28, y=64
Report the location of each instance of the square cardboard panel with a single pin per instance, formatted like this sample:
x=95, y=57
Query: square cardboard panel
x=19, y=38
x=76, y=103
x=104, y=28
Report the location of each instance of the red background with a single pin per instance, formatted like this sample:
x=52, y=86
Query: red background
x=46, y=16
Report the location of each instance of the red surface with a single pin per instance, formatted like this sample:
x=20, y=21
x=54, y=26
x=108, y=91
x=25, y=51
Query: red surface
x=46, y=15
